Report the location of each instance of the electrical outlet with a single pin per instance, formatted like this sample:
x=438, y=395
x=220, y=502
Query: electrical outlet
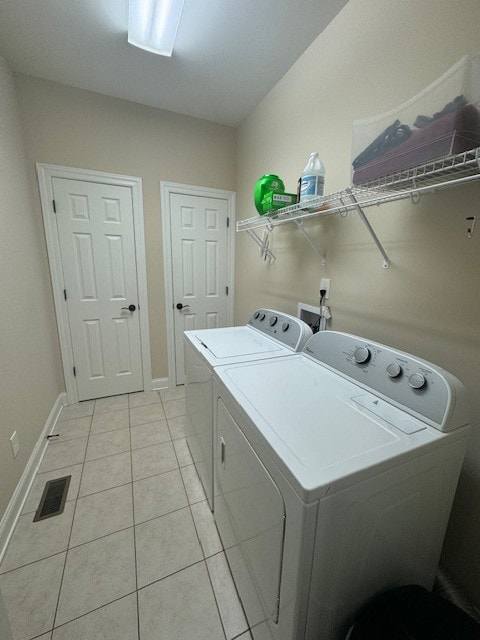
x=15, y=442
x=325, y=284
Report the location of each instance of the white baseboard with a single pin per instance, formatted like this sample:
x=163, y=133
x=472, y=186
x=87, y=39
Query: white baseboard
x=160, y=383
x=15, y=506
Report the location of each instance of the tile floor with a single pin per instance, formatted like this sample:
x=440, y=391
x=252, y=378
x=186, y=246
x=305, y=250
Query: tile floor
x=135, y=554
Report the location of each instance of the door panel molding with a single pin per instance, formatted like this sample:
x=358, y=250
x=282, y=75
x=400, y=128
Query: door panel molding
x=167, y=189
x=46, y=173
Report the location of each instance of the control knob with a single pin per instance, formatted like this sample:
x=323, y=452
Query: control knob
x=417, y=380
x=262, y=317
x=285, y=326
x=256, y=314
x=394, y=370
x=273, y=321
x=361, y=355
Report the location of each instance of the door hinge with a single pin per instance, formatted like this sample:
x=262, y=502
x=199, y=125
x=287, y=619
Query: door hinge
x=54, y=206
x=75, y=371
x=226, y=291
x=228, y=222
x=65, y=294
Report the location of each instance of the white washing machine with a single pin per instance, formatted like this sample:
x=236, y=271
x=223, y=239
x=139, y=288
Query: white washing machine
x=336, y=471
x=268, y=334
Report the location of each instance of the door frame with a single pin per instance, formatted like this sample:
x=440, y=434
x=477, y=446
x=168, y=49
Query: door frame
x=166, y=190
x=46, y=173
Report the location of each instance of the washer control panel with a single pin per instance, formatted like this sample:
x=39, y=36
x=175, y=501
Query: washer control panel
x=287, y=329
x=415, y=385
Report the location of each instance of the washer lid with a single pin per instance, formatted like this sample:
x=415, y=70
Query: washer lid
x=318, y=431
x=233, y=342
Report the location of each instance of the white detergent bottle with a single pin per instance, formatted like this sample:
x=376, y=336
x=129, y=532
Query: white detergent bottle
x=312, y=179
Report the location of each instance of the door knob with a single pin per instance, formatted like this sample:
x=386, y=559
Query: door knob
x=131, y=307
x=181, y=306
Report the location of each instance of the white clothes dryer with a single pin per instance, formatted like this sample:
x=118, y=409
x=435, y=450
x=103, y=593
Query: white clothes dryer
x=268, y=334
x=336, y=472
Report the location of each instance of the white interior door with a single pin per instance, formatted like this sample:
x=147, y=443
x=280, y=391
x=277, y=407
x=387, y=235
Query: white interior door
x=200, y=266
x=97, y=246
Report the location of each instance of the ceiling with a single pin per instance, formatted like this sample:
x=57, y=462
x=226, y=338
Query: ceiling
x=228, y=53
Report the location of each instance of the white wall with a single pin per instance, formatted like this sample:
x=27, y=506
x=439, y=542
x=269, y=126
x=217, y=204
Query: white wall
x=76, y=128
x=373, y=56
x=30, y=373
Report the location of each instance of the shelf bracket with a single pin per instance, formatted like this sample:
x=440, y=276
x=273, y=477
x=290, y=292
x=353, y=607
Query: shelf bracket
x=264, y=250
x=320, y=252
x=363, y=218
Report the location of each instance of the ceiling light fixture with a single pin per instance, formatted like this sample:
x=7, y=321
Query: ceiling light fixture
x=153, y=24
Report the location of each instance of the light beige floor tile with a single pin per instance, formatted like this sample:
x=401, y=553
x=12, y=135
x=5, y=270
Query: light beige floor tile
x=46, y=636
x=63, y=454
x=174, y=393
x=149, y=433
x=182, y=606
x=174, y=408
x=109, y=443
x=32, y=541
x=180, y=427
x=193, y=486
x=245, y=636
x=147, y=413
x=106, y=473
x=96, y=573
x=143, y=398
x=231, y=611
x=78, y=410
x=30, y=606
x=183, y=452
x=102, y=513
x=158, y=495
x=112, y=403
x=38, y=485
x=165, y=545
x=150, y=461
x=75, y=428
x=115, y=621
x=110, y=421
x=262, y=631
x=206, y=528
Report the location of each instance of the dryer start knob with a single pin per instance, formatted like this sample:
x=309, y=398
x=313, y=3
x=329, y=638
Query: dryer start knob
x=361, y=355
x=417, y=381
x=394, y=370
x=285, y=326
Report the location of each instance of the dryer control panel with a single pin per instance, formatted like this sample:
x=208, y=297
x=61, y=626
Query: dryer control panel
x=290, y=331
x=417, y=386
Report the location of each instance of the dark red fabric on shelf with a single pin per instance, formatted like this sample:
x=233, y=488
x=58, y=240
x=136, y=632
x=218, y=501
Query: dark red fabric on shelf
x=450, y=134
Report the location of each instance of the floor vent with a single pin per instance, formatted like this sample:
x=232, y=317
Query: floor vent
x=53, y=498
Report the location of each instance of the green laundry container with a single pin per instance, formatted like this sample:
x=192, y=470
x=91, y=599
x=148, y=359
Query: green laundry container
x=268, y=182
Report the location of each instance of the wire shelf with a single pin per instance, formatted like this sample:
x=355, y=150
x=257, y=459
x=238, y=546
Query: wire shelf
x=431, y=176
